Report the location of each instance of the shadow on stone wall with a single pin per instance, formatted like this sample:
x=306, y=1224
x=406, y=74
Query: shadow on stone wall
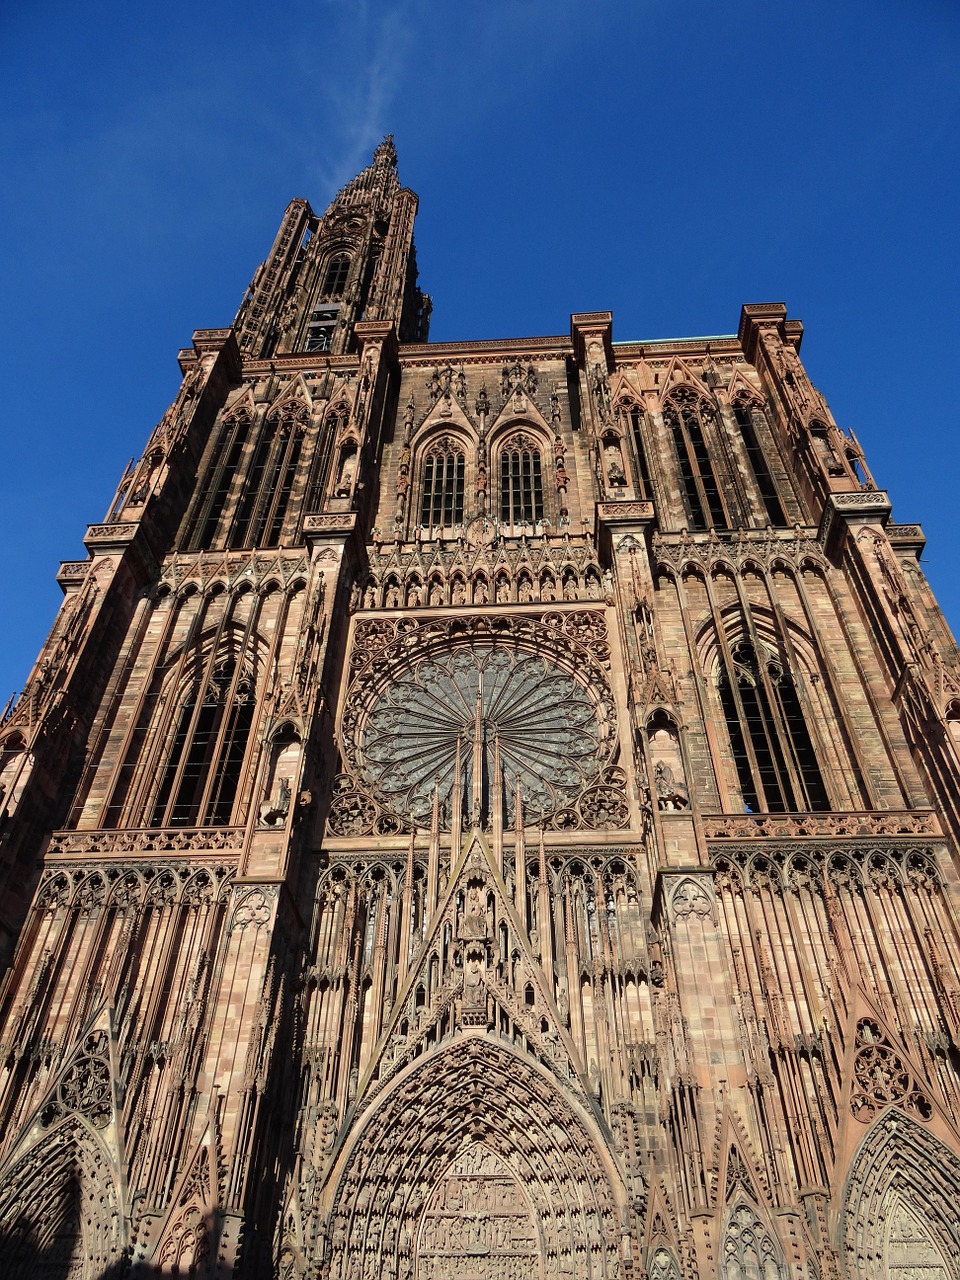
x=23, y=1258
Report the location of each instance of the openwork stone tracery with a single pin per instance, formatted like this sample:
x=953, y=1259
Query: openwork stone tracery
x=435, y=712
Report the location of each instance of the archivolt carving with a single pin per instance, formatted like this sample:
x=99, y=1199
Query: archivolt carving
x=903, y=1189
x=475, y=1106
x=59, y=1207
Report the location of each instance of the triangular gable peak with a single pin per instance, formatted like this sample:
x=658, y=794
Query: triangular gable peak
x=519, y=408
x=243, y=406
x=741, y=388
x=475, y=892
x=626, y=385
x=678, y=374
x=445, y=412
x=294, y=400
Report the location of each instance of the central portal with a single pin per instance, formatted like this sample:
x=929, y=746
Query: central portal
x=478, y=1224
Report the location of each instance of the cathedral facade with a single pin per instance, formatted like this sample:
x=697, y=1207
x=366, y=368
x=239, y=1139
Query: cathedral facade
x=485, y=810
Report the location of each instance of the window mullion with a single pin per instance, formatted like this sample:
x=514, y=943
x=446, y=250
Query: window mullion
x=227, y=716
x=267, y=488
x=187, y=743
x=775, y=732
x=734, y=684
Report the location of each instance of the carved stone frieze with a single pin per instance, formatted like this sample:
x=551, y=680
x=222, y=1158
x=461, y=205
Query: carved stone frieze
x=231, y=569
x=738, y=547
x=89, y=887
x=478, y=566
x=888, y=865
x=820, y=826
x=124, y=842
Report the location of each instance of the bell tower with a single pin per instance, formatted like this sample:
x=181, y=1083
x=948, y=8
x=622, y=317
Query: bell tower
x=356, y=261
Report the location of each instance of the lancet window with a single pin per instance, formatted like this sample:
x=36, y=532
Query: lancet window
x=441, y=498
x=687, y=416
x=744, y=414
x=632, y=417
x=201, y=770
x=771, y=745
x=268, y=485
x=521, y=481
x=248, y=483
x=213, y=493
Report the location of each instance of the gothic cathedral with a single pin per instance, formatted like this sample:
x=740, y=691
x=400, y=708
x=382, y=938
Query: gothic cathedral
x=484, y=811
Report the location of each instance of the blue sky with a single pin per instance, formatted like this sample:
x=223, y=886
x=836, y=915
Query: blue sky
x=668, y=161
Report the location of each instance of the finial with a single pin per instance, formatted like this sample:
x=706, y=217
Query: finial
x=386, y=153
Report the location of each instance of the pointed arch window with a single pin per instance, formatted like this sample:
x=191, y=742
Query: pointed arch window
x=745, y=415
x=771, y=745
x=521, y=482
x=687, y=416
x=748, y=1250
x=632, y=418
x=211, y=499
x=201, y=772
x=269, y=481
x=441, y=495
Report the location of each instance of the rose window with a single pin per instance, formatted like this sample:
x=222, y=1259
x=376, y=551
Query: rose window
x=483, y=706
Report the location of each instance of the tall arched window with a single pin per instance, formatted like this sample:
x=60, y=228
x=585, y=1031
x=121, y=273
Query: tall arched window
x=441, y=494
x=686, y=415
x=212, y=496
x=201, y=772
x=521, y=481
x=772, y=749
x=335, y=276
x=631, y=415
x=744, y=414
x=268, y=485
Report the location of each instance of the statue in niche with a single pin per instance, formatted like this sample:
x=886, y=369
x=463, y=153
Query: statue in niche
x=459, y=592
x=348, y=465
x=526, y=590
x=569, y=586
x=481, y=593
x=274, y=811
x=393, y=596
x=436, y=593
x=672, y=795
x=594, y=585
x=369, y=596
x=548, y=589
x=503, y=591
x=614, y=464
